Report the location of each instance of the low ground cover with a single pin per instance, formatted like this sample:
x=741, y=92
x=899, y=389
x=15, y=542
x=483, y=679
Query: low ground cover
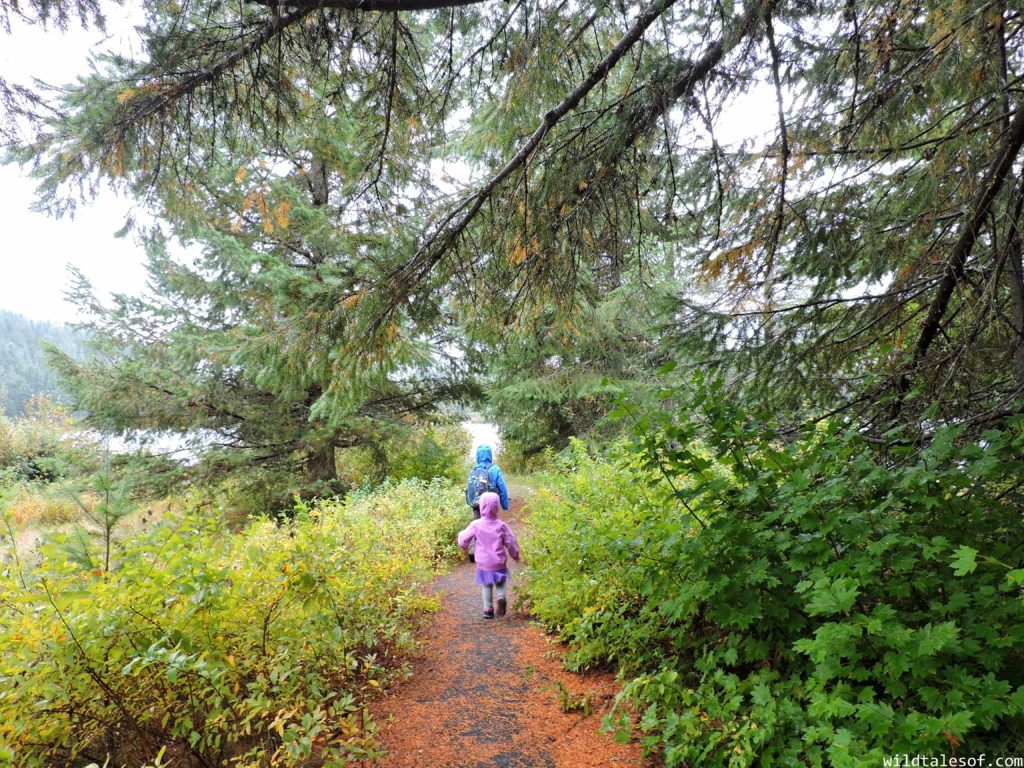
x=203, y=647
x=778, y=600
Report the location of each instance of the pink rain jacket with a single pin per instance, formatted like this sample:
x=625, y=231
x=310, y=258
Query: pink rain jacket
x=492, y=535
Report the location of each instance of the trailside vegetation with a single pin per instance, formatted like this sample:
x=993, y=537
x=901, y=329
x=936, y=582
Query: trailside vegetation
x=434, y=451
x=198, y=646
x=46, y=444
x=780, y=599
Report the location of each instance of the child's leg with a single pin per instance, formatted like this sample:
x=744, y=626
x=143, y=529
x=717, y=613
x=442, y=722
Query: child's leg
x=488, y=592
x=499, y=592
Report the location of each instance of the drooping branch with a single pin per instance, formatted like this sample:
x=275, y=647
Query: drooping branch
x=957, y=261
x=387, y=6
x=692, y=73
x=447, y=232
x=681, y=84
x=778, y=222
x=136, y=110
x=437, y=244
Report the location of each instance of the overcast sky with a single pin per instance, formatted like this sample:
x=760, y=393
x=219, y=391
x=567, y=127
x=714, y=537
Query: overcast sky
x=35, y=249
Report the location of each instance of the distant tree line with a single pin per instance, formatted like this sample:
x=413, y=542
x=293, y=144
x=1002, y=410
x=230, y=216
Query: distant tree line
x=23, y=370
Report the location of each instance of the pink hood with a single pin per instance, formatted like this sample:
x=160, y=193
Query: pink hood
x=489, y=505
x=493, y=536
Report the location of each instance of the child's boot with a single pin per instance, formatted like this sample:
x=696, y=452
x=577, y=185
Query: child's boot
x=501, y=606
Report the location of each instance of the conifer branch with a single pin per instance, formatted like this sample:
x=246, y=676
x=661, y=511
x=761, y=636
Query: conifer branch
x=445, y=234
x=416, y=269
x=956, y=264
x=385, y=6
x=778, y=220
x=136, y=110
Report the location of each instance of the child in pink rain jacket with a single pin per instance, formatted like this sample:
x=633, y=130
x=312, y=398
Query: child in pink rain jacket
x=493, y=537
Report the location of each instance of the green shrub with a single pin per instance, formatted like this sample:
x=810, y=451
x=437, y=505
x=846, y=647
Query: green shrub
x=802, y=602
x=516, y=459
x=46, y=444
x=437, y=450
x=203, y=647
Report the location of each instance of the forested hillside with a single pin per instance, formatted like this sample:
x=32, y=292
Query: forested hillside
x=23, y=368
x=744, y=282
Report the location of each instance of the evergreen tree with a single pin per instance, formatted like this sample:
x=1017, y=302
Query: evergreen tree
x=556, y=375
x=238, y=353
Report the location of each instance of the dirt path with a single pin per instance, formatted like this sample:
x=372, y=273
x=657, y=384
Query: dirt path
x=490, y=694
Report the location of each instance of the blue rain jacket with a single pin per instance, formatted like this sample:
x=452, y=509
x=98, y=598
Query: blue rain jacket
x=484, y=459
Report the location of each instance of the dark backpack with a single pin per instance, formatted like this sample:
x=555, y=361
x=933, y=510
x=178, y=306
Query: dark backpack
x=479, y=483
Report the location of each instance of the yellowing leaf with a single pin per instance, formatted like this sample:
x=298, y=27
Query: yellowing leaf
x=240, y=176
x=268, y=225
x=282, y=214
x=941, y=31
x=126, y=94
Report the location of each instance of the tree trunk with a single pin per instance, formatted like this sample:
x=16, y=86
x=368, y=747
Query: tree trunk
x=317, y=182
x=321, y=462
x=1015, y=276
x=321, y=465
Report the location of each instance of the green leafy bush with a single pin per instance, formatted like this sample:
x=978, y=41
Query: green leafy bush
x=437, y=450
x=515, y=458
x=46, y=444
x=202, y=647
x=807, y=601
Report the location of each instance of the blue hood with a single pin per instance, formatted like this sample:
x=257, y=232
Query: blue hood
x=483, y=454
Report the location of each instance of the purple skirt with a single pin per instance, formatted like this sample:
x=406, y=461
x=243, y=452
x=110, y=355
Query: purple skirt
x=484, y=578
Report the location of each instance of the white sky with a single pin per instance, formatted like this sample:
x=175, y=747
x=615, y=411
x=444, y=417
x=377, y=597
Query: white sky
x=482, y=433
x=38, y=249
x=35, y=249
